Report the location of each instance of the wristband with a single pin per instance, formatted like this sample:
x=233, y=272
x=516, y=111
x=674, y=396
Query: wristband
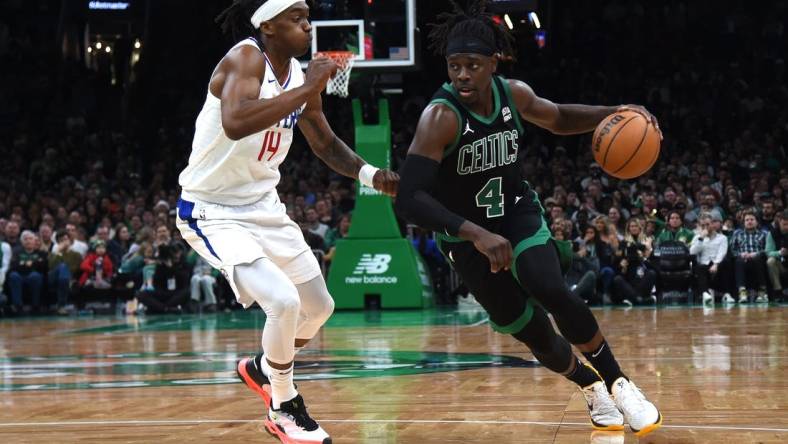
x=366, y=174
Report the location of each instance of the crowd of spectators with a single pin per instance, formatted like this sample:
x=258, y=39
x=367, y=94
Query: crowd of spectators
x=88, y=192
x=719, y=186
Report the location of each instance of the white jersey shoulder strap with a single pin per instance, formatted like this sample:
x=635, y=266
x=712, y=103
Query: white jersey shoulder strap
x=247, y=42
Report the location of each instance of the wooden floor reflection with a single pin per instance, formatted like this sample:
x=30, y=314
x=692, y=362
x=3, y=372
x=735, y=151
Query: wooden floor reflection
x=719, y=376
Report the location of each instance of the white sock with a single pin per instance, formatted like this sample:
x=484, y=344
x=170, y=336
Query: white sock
x=282, y=389
x=261, y=364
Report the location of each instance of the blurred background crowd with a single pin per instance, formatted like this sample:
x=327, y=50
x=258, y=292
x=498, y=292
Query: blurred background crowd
x=91, y=154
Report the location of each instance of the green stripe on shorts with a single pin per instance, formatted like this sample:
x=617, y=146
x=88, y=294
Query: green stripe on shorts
x=541, y=237
x=518, y=324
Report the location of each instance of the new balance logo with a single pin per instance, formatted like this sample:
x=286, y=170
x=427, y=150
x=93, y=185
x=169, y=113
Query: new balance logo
x=373, y=264
x=507, y=114
x=468, y=128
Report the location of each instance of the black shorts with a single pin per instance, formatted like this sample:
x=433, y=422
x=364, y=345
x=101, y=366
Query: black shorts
x=509, y=306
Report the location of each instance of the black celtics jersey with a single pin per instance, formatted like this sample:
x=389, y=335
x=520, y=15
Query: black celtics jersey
x=480, y=176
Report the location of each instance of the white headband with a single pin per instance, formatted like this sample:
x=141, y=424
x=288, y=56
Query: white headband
x=270, y=9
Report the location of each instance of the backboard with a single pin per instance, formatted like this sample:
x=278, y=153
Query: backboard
x=381, y=33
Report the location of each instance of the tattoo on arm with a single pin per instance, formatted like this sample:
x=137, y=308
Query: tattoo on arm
x=334, y=152
x=340, y=158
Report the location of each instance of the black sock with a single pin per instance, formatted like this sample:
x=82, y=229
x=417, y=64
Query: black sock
x=603, y=361
x=582, y=375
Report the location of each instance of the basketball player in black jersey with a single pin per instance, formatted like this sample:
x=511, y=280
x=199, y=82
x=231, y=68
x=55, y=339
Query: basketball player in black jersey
x=462, y=179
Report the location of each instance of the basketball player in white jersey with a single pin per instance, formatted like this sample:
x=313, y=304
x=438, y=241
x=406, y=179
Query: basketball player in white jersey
x=230, y=212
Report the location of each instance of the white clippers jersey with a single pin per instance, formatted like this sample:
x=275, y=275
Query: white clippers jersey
x=239, y=172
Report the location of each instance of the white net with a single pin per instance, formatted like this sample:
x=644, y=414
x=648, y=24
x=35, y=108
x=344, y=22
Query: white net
x=338, y=85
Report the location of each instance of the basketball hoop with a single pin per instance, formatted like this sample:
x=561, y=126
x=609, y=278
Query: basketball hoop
x=338, y=84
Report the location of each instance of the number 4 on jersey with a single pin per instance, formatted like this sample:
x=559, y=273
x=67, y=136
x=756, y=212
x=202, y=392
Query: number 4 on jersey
x=271, y=141
x=490, y=196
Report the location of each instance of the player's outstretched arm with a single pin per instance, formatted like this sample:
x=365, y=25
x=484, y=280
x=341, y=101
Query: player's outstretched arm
x=238, y=85
x=565, y=119
x=437, y=129
x=337, y=155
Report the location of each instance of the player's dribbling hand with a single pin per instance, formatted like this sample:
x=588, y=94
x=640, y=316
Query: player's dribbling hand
x=319, y=71
x=497, y=249
x=386, y=181
x=645, y=113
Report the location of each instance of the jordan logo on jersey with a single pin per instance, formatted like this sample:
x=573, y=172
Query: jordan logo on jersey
x=488, y=152
x=468, y=128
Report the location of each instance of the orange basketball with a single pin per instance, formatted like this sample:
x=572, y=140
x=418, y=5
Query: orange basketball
x=625, y=144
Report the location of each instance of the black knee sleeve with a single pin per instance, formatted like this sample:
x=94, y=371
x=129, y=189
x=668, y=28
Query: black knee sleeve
x=540, y=275
x=559, y=359
x=548, y=348
x=576, y=322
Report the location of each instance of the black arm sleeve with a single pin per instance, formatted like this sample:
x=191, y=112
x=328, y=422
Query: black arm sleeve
x=418, y=177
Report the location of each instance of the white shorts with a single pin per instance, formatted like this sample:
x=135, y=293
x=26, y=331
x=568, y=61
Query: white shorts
x=227, y=236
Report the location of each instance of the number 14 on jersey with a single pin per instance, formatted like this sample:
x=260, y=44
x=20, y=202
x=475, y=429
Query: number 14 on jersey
x=271, y=141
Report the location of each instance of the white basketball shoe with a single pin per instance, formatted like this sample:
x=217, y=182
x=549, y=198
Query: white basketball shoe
x=292, y=424
x=641, y=415
x=708, y=298
x=604, y=413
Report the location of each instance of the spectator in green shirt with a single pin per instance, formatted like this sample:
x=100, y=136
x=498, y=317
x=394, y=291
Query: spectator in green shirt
x=335, y=234
x=674, y=230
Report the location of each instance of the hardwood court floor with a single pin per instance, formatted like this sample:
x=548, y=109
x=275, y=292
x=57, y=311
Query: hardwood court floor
x=393, y=377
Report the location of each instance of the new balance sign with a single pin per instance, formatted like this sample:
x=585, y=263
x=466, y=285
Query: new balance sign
x=369, y=269
x=370, y=264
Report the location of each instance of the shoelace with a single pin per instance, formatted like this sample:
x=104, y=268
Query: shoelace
x=633, y=395
x=604, y=404
x=301, y=417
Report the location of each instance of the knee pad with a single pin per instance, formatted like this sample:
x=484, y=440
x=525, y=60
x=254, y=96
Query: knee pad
x=285, y=304
x=559, y=358
x=578, y=325
x=316, y=301
x=548, y=348
x=265, y=283
x=316, y=307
